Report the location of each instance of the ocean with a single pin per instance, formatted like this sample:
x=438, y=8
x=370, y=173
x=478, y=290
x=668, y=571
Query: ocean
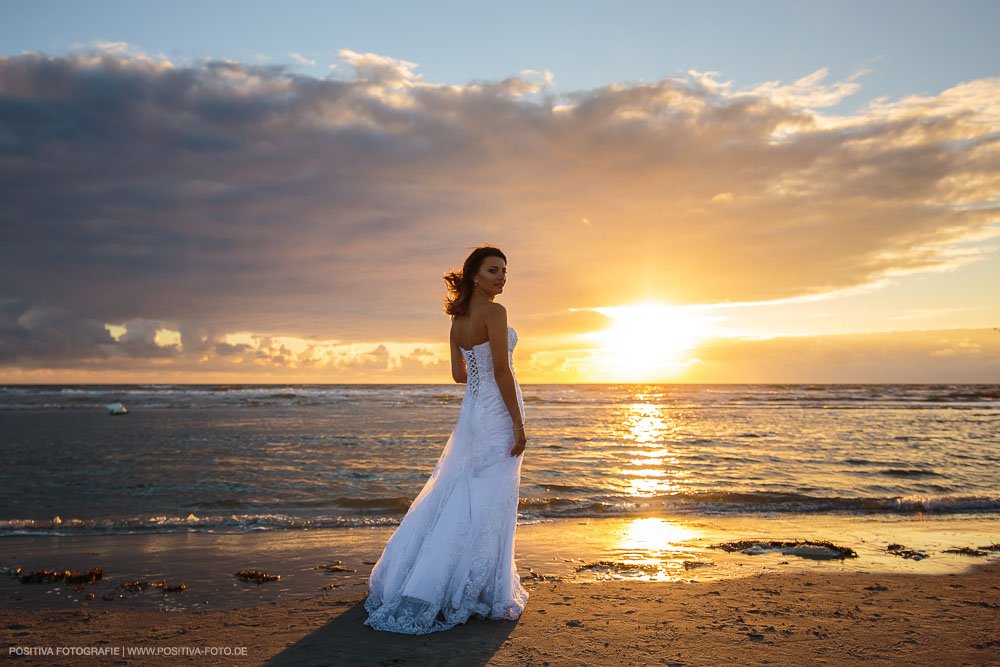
x=199, y=462
x=267, y=457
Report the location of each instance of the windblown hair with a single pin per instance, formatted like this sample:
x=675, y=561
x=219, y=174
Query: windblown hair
x=459, y=283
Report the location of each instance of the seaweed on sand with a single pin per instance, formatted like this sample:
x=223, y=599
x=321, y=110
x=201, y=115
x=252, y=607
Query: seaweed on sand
x=815, y=549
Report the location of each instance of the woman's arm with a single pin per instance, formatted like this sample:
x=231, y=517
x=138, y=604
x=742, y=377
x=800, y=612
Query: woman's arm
x=496, y=329
x=458, y=371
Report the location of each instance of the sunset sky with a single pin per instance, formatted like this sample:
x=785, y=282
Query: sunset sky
x=686, y=192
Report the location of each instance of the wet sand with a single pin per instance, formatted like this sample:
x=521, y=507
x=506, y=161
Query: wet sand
x=605, y=592
x=769, y=618
x=325, y=561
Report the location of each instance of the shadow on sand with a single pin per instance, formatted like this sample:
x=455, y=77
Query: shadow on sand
x=346, y=640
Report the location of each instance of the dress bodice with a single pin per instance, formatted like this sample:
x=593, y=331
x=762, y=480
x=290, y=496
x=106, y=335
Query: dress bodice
x=479, y=361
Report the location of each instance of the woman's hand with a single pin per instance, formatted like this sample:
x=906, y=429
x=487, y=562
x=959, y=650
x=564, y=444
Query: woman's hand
x=520, y=440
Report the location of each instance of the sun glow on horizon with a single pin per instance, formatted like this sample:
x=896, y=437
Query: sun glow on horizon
x=647, y=342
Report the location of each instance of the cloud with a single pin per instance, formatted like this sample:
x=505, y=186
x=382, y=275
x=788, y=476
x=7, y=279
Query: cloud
x=809, y=91
x=947, y=356
x=227, y=197
x=53, y=334
x=930, y=356
x=30, y=333
x=301, y=59
x=34, y=337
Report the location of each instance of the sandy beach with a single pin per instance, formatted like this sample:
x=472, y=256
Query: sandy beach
x=694, y=531
x=770, y=618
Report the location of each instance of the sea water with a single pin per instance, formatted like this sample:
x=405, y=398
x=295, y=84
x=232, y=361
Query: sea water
x=870, y=464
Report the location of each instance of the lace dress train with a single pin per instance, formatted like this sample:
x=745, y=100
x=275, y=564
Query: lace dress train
x=452, y=556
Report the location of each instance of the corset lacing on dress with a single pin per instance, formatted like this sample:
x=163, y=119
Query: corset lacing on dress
x=472, y=372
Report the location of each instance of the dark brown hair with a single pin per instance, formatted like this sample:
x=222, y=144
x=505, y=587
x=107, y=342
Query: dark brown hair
x=459, y=283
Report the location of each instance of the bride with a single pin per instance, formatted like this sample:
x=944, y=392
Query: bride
x=452, y=555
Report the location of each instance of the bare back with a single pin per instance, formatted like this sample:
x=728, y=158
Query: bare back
x=470, y=330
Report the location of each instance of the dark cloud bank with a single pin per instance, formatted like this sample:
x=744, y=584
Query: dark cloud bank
x=227, y=197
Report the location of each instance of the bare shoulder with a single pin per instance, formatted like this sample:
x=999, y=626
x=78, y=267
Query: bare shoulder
x=496, y=314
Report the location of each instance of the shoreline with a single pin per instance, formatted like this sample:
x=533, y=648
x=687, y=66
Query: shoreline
x=327, y=562
x=767, y=618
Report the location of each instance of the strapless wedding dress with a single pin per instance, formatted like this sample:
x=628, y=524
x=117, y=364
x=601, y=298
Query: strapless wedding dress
x=452, y=555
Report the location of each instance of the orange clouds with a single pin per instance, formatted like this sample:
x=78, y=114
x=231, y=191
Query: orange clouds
x=227, y=197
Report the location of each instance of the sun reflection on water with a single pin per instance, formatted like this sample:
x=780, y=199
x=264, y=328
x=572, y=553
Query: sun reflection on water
x=653, y=549
x=655, y=470
x=656, y=534
x=650, y=548
x=646, y=423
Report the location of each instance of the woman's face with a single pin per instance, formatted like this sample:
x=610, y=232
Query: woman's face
x=492, y=276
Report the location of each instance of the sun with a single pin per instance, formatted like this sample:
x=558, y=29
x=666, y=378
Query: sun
x=647, y=342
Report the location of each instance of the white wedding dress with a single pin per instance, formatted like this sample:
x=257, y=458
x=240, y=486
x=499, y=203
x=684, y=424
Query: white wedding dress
x=452, y=555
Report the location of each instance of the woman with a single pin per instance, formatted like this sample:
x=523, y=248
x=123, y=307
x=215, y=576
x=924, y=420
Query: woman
x=452, y=555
